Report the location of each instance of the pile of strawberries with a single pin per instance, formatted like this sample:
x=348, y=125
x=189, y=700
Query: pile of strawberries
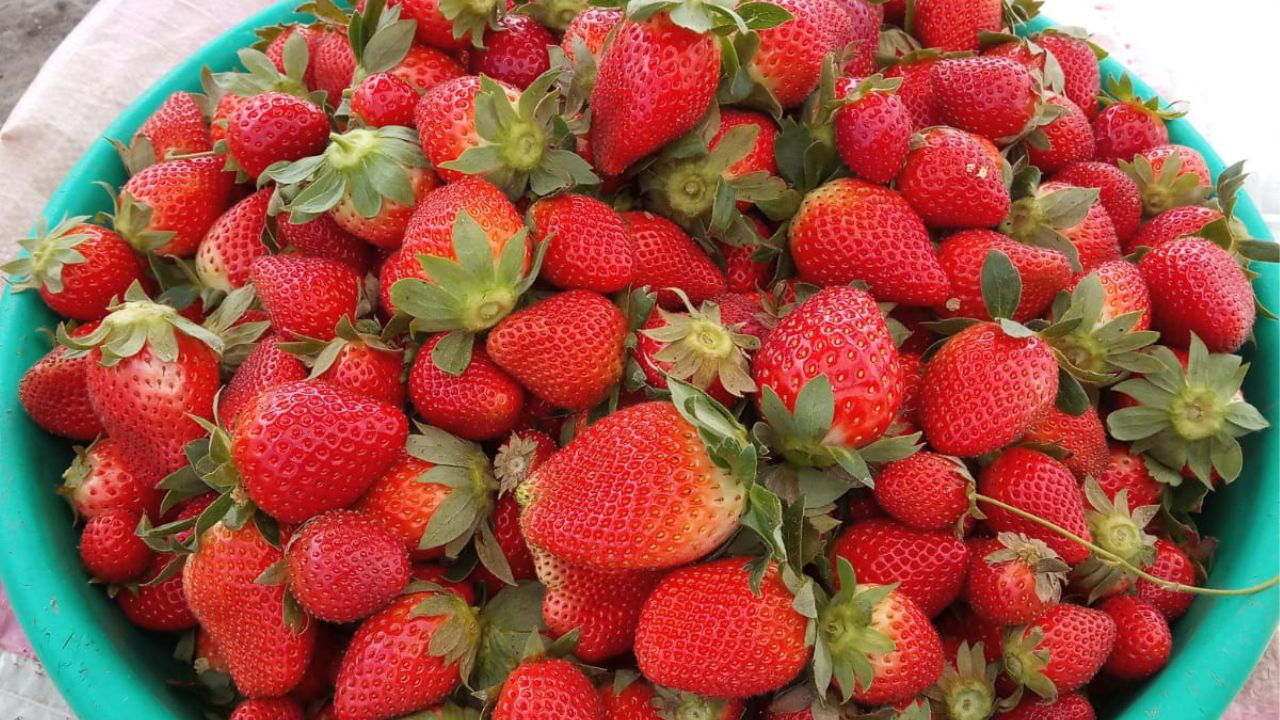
x=792, y=359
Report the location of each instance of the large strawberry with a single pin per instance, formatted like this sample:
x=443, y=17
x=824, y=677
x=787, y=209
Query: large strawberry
x=1044, y=272
x=1013, y=579
x=229, y=248
x=588, y=243
x=954, y=179
x=603, y=606
x=789, y=58
x=344, y=566
x=55, y=392
x=929, y=566
x=547, y=687
x=991, y=96
x=481, y=403
x=168, y=207
x=956, y=24
x=665, y=257
x=1198, y=289
x=1061, y=650
x=78, y=268
x=1036, y=484
x=306, y=296
x=383, y=99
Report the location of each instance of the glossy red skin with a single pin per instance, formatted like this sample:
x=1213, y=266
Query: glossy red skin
x=603, y=606
x=1070, y=139
x=1044, y=273
x=1171, y=225
x=303, y=448
x=984, y=389
x=1078, y=640
x=344, y=566
x=515, y=53
x=1069, y=706
x=789, y=59
x=268, y=709
x=1036, y=483
x=1118, y=194
x=1197, y=287
x=334, y=64
x=387, y=670
x=872, y=134
x=590, y=243
x=1082, y=77
x=265, y=367
x=430, y=230
x=916, y=91
x=929, y=565
x=761, y=158
x=634, y=702
x=162, y=607
x=177, y=127
x=483, y=403
x=369, y=371
x=990, y=96
x=1083, y=436
x=111, y=551
x=1124, y=291
x=436, y=574
x=445, y=117
x=312, y=34
x=383, y=99
x=324, y=238
x=266, y=657
x=743, y=273
x=275, y=126
x=55, y=393
x=404, y=505
x=425, y=67
x=235, y=241
x=385, y=229
x=1191, y=162
x=1094, y=237
x=925, y=491
x=111, y=485
x=862, y=38
x=849, y=229
x=433, y=27
x=304, y=295
x=145, y=402
x=1123, y=130
x=819, y=337
x=1128, y=472
x=702, y=629
x=546, y=687
x=1143, y=641
x=954, y=25
x=1003, y=594
x=954, y=180
x=592, y=25
x=655, y=82
x=1170, y=563
x=185, y=196
x=666, y=257
x=913, y=665
x=88, y=287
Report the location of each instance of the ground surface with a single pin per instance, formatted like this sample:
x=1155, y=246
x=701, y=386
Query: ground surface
x=30, y=31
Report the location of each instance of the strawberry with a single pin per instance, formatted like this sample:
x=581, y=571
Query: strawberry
x=268, y=709
x=849, y=229
x=306, y=296
x=233, y=242
x=656, y=80
x=1128, y=472
x=448, y=27
x=860, y=42
x=592, y=27
x=1044, y=273
x=267, y=654
x=588, y=243
x=515, y=52
x=988, y=96
x=424, y=67
x=604, y=607
x=1069, y=138
x=1169, y=176
x=333, y=64
x=1118, y=194
x=1037, y=484
x=344, y=566
x=872, y=129
x=1143, y=641
x=273, y=127
x=431, y=229
x=1078, y=58
x=55, y=393
x=546, y=687
x=77, y=268
x=158, y=606
x=357, y=360
x=168, y=207
x=403, y=505
x=954, y=179
x=1070, y=706
x=1082, y=436
x=955, y=25
x=916, y=89
x=99, y=480
x=665, y=257
x=1170, y=563
x=407, y=657
x=928, y=567
x=266, y=366
x=275, y=49
x=1198, y=289
x=437, y=574
x=176, y=128
x=638, y=700
x=506, y=530
x=303, y=448
x=383, y=99
x=984, y=389
x=1172, y=224
x=110, y=550
x=1061, y=650
x=1053, y=213
x=925, y=491
x=482, y=403
x=324, y=238
x=699, y=347
x=1124, y=291
x=208, y=656
x=744, y=273
x=1013, y=579
x=788, y=62
x=1127, y=124
x=704, y=630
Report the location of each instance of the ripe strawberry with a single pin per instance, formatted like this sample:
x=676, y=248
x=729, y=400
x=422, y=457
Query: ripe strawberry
x=853, y=230
x=1078, y=58
x=1172, y=224
x=266, y=653
x=925, y=491
x=403, y=505
x=55, y=393
x=1128, y=472
x=161, y=607
x=1071, y=706
x=1013, y=579
x=1037, y=484
x=872, y=131
x=434, y=28
x=592, y=27
x=666, y=257
x=430, y=230
x=272, y=127
x=1143, y=641
x=789, y=59
x=407, y=657
x=357, y=360
x=954, y=179
x=515, y=52
x=590, y=245
x=268, y=709
x=639, y=701
x=324, y=238
x=545, y=687
x=303, y=448
x=333, y=64
x=311, y=36
x=603, y=606
x=1118, y=194
x=655, y=82
x=233, y=242
x=984, y=389
x=1124, y=291
x=110, y=550
x=929, y=566
x=1170, y=563
x=265, y=367
x=99, y=481
x=1069, y=138
x=344, y=566
x=1082, y=436
x=1054, y=211
x=445, y=117
x=168, y=207
x=703, y=630
x=306, y=296
x=860, y=40
x=424, y=67
x=700, y=347
x=78, y=268
x=1127, y=124
x=433, y=573
x=1169, y=176
x=383, y=99
x=177, y=128
x=954, y=25
x=1044, y=272
x=1198, y=288
x=1061, y=650
x=916, y=91
x=506, y=529
x=743, y=272
x=989, y=96
x=482, y=403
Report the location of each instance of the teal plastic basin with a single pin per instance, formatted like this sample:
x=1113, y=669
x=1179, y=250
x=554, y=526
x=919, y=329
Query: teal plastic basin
x=107, y=669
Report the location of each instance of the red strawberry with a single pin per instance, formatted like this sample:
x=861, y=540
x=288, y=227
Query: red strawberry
x=403, y=505
x=1171, y=225
x=506, y=529
x=361, y=363
x=1127, y=124
x=515, y=52
x=222, y=112
x=267, y=655
x=311, y=36
x=989, y=96
x=306, y=296
x=1061, y=650
x=55, y=393
x=872, y=131
x=483, y=403
x=666, y=257
x=984, y=389
x=333, y=64
x=700, y=347
x=789, y=59
x=639, y=701
x=161, y=607
x=1172, y=564
x=916, y=90
x=445, y=117
x=1071, y=706
x=99, y=480
x=744, y=273
x=1055, y=211
x=268, y=709
x=424, y=67
x=1197, y=287
x=954, y=179
x=955, y=24
x=383, y=99
x=1143, y=640
x=229, y=248
x=656, y=80
x=1044, y=272
x=437, y=574
x=1082, y=436
x=1118, y=194
x=603, y=606
x=1082, y=80
x=1037, y=484
x=324, y=238
x=703, y=630
x=592, y=27
x=860, y=42
x=853, y=230
x=929, y=567
x=1069, y=138
x=78, y=268
x=1013, y=579
x=1169, y=176
x=272, y=127
x=590, y=245
x=430, y=230
x=111, y=551
x=266, y=366
x=1123, y=291
x=925, y=491
x=437, y=30
x=1128, y=472
x=344, y=566
x=168, y=207
x=177, y=128
x=545, y=687
x=407, y=657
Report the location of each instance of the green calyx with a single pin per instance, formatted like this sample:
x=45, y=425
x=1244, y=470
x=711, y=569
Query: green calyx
x=1093, y=349
x=457, y=639
x=136, y=323
x=379, y=38
x=575, y=79
x=524, y=144
x=967, y=686
x=1040, y=220
x=472, y=17
x=555, y=14
x=701, y=349
x=48, y=251
x=1050, y=569
x=1120, y=90
x=320, y=355
x=1167, y=189
x=675, y=705
x=1189, y=418
x=1229, y=232
x=845, y=637
x=1118, y=531
x=262, y=75
x=132, y=220
x=1025, y=661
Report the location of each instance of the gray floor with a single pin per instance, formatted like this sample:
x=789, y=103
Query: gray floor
x=30, y=31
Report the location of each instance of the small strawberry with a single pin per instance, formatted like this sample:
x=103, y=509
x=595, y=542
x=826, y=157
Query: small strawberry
x=989, y=96
x=859, y=42
x=515, y=52
x=1013, y=579
x=872, y=129
x=277, y=39
x=1078, y=58
x=324, y=238
x=1128, y=472
x=592, y=27
x=55, y=392
x=273, y=127
x=333, y=64
x=357, y=359
x=588, y=243
x=506, y=530
x=1198, y=290
x=1143, y=641
x=168, y=207
x=1127, y=124
x=343, y=566
x=481, y=403
x=176, y=128
x=383, y=99
x=266, y=366
x=1172, y=564
x=445, y=26
x=1061, y=650
x=1118, y=194
x=1169, y=176
x=306, y=296
x=437, y=574
x=1081, y=436
x=546, y=687
x=788, y=62
x=268, y=709
x=699, y=347
x=233, y=242
x=1067, y=138
x=744, y=273
x=955, y=25
x=111, y=551
x=424, y=67
x=603, y=606
x=158, y=606
x=403, y=505
x=99, y=480
x=77, y=268
x=954, y=179
x=1070, y=706
x=925, y=491
x=665, y=257
x=929, y=567
x=1044, y=272
x=915, y=71
x=1037, y=484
